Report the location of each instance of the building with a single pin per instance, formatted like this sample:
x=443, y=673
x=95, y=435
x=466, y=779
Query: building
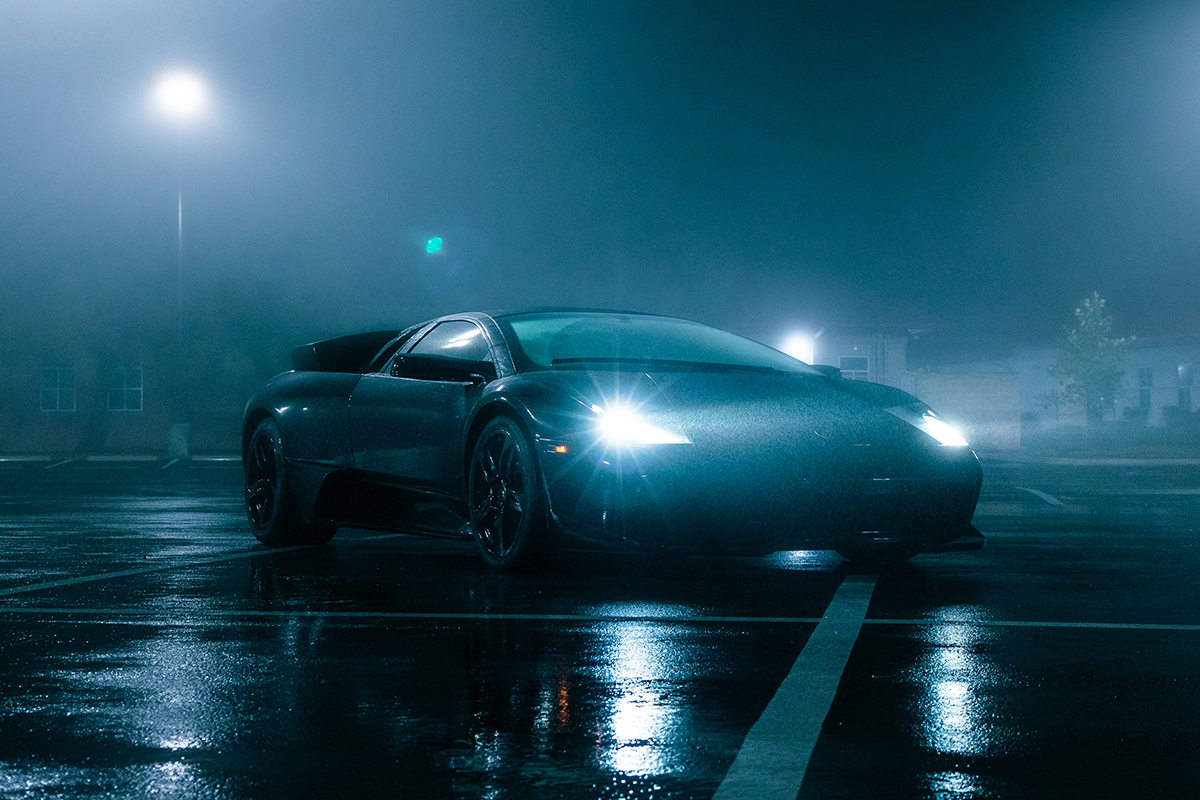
x=125, y=392
x=875, y=357
x=1159, y=376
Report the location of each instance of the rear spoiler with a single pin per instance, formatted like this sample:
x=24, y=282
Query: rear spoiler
x=352, y=353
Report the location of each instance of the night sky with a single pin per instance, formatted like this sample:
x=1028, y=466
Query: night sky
x=968, y=169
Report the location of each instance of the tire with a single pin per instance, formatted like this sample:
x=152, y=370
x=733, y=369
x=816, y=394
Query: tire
x=270, y=506
x=507, y=501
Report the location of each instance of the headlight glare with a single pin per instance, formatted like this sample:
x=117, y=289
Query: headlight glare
x=946, y=435
x=922, y=416
x=617, y=425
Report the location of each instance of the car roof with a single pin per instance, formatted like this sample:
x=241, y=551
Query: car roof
x=514, y=312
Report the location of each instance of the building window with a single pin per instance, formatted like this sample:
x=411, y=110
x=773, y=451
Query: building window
x=1145, y=384
x=58, y=389
x=125, y=390
x=853, y=367
x=1184, y=381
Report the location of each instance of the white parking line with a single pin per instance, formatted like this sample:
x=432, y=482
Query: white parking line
x=120, y=459
x=162, y=567
x=138, y=616
x=124, y=573
x=774, y=756
x=1051, y=499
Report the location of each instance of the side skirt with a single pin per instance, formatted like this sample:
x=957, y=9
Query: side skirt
x=348, y=498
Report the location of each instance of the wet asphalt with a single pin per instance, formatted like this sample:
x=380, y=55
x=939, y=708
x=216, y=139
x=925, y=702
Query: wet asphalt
x=149, y=647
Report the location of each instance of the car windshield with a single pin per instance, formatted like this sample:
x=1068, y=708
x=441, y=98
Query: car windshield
x=594, y=340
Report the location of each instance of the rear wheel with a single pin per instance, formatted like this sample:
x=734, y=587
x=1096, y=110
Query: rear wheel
x=269, y=503
x=508, y=506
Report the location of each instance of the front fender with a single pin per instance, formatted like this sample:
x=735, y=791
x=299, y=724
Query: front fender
x=544, y=406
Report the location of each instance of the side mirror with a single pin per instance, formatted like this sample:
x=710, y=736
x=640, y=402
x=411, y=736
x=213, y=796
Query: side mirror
x=828, y=370
x=443, y=368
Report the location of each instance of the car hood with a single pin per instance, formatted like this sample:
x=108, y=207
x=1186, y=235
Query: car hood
x=751, y=414
x=770, y=408
x=764, y=452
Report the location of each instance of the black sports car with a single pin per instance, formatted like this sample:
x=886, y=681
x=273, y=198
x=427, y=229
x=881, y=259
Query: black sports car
x=631, y=430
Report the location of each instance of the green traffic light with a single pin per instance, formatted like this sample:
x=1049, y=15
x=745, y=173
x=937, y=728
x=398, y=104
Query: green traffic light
x=434, y=245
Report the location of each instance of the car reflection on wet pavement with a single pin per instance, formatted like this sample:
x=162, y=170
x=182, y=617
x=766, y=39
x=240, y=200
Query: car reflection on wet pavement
x=150, y=648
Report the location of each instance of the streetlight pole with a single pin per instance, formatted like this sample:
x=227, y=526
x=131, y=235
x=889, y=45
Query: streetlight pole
x=181, y=96
x=179, y=276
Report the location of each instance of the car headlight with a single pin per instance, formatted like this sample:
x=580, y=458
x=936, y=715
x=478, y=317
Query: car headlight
x=618, y=425
x=921, y=416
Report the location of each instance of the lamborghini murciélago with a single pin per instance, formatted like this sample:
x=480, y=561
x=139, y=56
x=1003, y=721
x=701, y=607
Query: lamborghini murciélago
x=526, y=430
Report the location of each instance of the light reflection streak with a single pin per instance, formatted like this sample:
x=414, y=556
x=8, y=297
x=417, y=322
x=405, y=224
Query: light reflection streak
x=178, y=690
x=954, y=784
x=169, y=779
x=803, y=560
x=953, y=676
x=642, y=721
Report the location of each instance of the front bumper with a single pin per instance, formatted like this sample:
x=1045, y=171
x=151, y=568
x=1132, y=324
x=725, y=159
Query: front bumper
x=675, y=496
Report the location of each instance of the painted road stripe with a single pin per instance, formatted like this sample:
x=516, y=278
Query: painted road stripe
x=119, y=459
x=139, y=616
x=774, y=756
x=1000, y=623
x=163, y=567
x=125, y=573
x=1051, y=499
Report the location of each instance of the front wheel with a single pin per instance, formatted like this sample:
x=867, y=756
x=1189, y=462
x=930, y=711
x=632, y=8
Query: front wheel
x=269, y=502
x=508, y=506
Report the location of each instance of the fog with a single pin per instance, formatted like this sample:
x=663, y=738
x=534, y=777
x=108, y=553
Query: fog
x=970, y=172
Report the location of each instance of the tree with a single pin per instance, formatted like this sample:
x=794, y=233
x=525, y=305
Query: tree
x=1090, y=368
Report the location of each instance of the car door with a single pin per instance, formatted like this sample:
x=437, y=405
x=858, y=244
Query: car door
x=410, y=426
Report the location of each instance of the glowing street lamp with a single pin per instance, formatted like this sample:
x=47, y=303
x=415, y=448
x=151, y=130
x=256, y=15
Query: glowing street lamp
x=180, y=96
x=799, y=345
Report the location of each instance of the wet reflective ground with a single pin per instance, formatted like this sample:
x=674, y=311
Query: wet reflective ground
x=150, y=648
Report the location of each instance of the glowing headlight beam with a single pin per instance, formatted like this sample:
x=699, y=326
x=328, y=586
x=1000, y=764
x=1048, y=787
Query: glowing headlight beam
x=946, y=435
x=618, y=425
x=921, y=416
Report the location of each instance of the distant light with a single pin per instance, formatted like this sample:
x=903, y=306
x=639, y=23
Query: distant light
x=560, y=448
x=434, y=245
x=181, y=95
x=799, y=345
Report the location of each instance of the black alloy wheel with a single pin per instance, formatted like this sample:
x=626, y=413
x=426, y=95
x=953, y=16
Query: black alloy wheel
x=508, y=509
x=269, y=503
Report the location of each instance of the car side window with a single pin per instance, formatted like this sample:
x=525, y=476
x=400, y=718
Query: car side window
x=379, y=363
x=456, y=339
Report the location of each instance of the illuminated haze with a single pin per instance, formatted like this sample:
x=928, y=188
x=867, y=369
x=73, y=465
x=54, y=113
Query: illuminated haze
x=968, y=169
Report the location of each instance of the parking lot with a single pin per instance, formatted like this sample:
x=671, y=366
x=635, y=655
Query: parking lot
x=152, y=648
